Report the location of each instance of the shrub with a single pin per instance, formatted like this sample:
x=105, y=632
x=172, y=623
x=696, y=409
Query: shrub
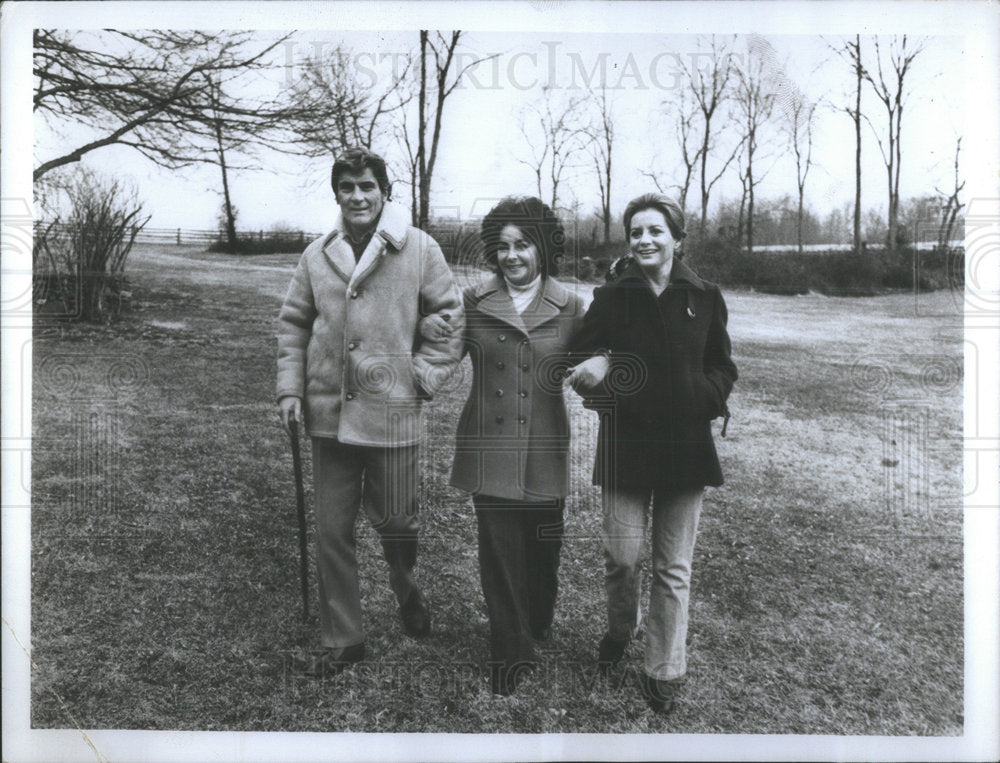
x=278, y=239
x=834, y=272
x=79, y=264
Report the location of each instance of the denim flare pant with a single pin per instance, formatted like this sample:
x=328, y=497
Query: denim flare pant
x=675, y=525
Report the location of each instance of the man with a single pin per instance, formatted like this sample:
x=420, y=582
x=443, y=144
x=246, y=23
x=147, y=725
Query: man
x=351, y=359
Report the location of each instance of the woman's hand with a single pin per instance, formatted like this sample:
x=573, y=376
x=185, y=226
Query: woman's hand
x=290, y=409
x=589, y=373
x=436, y=327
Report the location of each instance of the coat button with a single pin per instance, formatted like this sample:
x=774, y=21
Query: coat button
x=522, y=393
x=524, y=367
x=355, y=294
x=351, y=346
x=500, y=365
x=499, y=419
x=502, y=337
x=522, y=420
x=499, y=393
x=349, y=395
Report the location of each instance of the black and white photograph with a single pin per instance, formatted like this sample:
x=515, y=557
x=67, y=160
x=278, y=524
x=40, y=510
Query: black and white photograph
x=500, y=381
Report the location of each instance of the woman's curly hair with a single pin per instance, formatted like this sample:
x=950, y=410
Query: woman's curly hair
x=536, y=221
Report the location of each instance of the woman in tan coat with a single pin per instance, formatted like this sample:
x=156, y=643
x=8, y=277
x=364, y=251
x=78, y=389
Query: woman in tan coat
x=512, y=442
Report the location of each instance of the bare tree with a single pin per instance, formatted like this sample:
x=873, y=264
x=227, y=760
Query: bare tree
x=228, y=129
x=799, y=128
x=754, y=97
x=437, y=59
x=710, y=86
x=744, y=176
x=555, y=135
x=332, y=110
x=601, y=135
x=851, y=52
x=952, y=205
x=889, y=83
x=148, y=90
x=411, y=162
x=215, y=99
x=684, y=113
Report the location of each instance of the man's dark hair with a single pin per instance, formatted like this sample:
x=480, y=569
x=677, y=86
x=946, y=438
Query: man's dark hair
x=536, y=222
x=356, y=160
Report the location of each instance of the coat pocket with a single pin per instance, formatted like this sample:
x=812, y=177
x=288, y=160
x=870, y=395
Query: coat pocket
x=708, y=404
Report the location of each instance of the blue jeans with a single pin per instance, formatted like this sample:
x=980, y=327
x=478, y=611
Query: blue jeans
x=675, y=525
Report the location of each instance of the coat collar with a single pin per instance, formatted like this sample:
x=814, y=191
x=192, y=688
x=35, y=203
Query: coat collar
x=492, y=299
x=678, y=272
x=389, y=237
x=393, y=225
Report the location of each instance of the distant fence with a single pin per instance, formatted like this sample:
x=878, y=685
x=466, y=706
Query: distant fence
x=192, y=237
x=922, y=246
x=447, y=233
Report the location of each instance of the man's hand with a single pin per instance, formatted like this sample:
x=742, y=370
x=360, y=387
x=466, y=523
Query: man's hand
x=290, y=409
x=588, y=374
x=436, y=327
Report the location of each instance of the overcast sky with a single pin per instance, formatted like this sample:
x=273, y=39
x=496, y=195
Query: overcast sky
x=482, y=141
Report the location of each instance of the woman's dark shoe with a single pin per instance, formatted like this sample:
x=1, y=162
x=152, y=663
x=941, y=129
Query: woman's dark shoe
x=416, y=618
x=330, y=662
x=610, y=652
x=659, y=695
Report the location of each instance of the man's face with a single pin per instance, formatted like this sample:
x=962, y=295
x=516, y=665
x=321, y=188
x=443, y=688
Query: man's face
x=360, y=200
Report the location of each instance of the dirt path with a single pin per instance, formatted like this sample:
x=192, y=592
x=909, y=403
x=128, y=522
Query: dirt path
x=805, y=321
x=265, y=274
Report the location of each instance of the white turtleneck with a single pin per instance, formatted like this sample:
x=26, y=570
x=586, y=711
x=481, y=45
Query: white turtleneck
x=523, y=295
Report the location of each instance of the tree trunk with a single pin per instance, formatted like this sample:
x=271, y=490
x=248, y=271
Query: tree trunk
x=704, y=191
x=750, y=203
x=607, y=199
x=740, y=219
x=799, y=226
x=857, y=151
x=423, y=187
x=226, y=198
x=898, y=161
x=890, y=243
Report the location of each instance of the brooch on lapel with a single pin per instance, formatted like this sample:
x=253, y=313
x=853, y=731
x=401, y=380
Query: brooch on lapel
x=690, y=312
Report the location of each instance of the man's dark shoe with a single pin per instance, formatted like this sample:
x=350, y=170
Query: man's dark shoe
x=416, y=618
x=330, y=662
x=610, y=652
x=659, y=695
x=542, y=635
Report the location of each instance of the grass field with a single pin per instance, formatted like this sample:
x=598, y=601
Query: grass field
x=827, y=593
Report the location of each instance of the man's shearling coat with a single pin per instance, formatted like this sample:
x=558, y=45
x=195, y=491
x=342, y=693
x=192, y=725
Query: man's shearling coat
x=348, y=339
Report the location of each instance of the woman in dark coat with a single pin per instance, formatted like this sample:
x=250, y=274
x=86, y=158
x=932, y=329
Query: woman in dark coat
x=512, y=442
x=659, y=372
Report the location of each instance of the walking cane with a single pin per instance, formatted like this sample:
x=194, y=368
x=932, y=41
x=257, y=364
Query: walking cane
x=300, y=506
